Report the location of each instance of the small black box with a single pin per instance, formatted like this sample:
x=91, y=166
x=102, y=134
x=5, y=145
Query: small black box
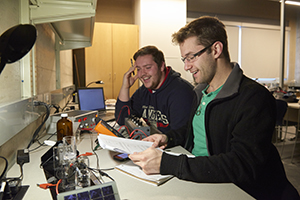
x=22, y=156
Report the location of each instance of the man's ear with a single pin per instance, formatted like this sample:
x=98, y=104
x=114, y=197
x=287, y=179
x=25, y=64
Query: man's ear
x=217, y=49
x=163, y=66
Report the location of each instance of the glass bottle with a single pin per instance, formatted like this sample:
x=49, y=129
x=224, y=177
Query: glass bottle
x=64, y=127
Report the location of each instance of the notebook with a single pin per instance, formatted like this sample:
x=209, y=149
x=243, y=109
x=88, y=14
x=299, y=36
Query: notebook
x=93, y=99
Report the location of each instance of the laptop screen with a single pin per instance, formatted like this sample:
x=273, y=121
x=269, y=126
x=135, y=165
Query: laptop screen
x=91, y=98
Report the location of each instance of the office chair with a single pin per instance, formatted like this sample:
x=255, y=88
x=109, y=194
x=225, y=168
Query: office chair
x=281, y=108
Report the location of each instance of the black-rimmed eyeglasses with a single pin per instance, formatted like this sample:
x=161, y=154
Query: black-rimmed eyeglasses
x=191, y=58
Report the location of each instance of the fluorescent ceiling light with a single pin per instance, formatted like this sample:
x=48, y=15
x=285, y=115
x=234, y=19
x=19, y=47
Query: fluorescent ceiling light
x=295, y=3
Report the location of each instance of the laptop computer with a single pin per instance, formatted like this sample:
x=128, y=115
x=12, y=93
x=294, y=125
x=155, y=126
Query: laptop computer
x=93, y=99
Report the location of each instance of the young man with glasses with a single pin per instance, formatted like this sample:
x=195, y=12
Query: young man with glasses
x=163, y=101
x=230, y=126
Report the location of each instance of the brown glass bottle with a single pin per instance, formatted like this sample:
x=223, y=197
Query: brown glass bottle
x=64, y=127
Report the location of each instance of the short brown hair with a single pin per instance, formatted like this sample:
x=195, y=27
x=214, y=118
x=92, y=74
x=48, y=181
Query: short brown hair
x=157, y=55
x=207, y=30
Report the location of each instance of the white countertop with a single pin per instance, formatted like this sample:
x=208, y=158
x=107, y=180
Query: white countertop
x=294, y=105
x=129, y=188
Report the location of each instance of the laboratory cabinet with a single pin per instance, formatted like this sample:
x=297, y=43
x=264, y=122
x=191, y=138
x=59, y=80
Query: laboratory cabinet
x=109, y=56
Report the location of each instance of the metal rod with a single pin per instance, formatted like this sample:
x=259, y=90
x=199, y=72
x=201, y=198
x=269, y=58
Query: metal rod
x=282, y=44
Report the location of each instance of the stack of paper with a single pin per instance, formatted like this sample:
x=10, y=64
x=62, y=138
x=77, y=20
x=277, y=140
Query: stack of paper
x=131, y=169
x=123, y=145
x=129, y=146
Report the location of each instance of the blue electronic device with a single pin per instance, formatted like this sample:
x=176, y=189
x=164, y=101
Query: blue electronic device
x=102, y=191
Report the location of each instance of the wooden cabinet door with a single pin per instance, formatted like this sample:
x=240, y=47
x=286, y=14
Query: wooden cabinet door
x=109, y=56
x=125, y=44
x=98, y=59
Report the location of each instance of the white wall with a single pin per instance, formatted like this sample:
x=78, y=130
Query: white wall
x=260, y=51
x=256, y=47
x=66, y=68
x=158, y=20
x=297, y=61
x=10, y=78
x=45, y=59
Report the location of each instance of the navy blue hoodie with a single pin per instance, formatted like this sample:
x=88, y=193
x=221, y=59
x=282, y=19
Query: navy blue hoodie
x=168, y=107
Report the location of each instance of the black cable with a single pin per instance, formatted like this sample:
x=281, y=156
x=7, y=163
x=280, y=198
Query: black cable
x=98, y=179
x=37, y=139
x=107, y=169
x=41, y=144
x=40, y=127
x=93, y=149
x=46, y=161
x=16, y=179
x=6, y=165
x=105, y=174
x=98, y=164
x=21, y=170
x=102, y=173
x=97, y=82
x=57, y=107
x=46, y=139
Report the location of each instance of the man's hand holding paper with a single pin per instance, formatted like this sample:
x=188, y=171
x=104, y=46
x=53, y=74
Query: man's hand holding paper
x=159, y=140
x=148, y=160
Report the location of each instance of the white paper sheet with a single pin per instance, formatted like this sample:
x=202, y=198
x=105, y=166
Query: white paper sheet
x=133, y=170
x=122, y=145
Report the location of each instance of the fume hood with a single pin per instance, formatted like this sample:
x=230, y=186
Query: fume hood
x=71, y=20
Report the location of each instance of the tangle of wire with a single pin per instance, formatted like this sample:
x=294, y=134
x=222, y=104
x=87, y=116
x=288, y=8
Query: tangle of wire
x=100, y=171
x=45, y=117
x=131, y=135
x=42, y=144
x=17, y=179
x=128, y=111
